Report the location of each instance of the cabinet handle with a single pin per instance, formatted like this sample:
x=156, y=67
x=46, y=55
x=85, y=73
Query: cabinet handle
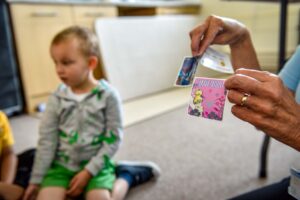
x=44, y=14
x=95, y=14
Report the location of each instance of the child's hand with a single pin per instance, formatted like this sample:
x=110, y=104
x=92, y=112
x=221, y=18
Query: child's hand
x=78, y=183
x=31, y=192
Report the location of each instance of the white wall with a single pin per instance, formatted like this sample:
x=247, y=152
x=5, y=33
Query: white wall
x=142, y=55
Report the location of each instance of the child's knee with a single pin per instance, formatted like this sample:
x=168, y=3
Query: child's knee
x=52, y=193
x=99, y=194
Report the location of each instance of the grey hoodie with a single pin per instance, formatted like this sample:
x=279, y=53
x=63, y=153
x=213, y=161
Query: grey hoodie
x=76, y=134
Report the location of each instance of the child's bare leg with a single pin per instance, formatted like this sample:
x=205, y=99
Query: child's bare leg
x=119, y=192
x=101, y=194
x=131, y=174
x=10, y=191
x=50, y=193
x=120, y=189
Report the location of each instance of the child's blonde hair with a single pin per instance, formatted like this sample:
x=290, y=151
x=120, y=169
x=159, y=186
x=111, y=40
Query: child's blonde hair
x=88, y=40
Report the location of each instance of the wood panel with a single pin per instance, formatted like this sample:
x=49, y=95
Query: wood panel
x=34, y=27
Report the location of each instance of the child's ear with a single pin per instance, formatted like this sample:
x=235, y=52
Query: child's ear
x=93, y=62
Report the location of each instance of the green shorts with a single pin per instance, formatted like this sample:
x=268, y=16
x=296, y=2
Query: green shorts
x=59, y=176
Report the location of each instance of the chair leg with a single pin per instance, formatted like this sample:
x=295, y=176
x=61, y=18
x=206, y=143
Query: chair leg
x=264, y=157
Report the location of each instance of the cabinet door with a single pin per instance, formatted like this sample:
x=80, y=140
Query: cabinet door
x=86, y=15
x=156, y=10
x=185, y=10
x=35, y=26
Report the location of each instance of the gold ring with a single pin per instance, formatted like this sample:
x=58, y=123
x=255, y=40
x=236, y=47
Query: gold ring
x=244, y=99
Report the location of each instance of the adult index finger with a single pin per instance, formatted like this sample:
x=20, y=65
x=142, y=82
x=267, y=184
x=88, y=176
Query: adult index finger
x=244, y=84
x=262, y=76
x=213, y=29
x=196, y=35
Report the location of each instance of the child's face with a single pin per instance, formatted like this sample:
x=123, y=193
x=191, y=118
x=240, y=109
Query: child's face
x=72, y=67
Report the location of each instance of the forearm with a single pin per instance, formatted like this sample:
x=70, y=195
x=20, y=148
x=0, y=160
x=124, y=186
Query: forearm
x=48, y=141
x=43, y=159
x=104, y=154
x=288, y=127
x=289, y=136
x=8, y=168
x=243, y=54
x=113, y=134
x=295, y=140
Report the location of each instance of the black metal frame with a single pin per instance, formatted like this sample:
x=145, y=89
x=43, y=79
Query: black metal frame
x=11, y=100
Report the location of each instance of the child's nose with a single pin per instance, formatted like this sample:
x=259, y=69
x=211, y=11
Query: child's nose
x=59, y=69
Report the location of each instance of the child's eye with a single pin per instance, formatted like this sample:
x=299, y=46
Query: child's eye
x=67, y=62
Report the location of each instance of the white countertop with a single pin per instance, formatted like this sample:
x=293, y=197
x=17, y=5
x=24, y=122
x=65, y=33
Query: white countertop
x=120, y=3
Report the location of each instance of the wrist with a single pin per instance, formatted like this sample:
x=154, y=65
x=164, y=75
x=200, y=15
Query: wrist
x=87, y=174
x=34, y=185
x=296, y=130
x=242, y=41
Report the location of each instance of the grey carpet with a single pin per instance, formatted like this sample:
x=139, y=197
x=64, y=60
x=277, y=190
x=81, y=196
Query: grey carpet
x=200, y=159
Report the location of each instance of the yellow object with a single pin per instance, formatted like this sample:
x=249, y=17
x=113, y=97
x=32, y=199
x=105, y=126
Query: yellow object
x=6, y=137
x=198, y=97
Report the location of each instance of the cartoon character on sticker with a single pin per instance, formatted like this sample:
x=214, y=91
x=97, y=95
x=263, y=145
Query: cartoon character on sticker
x=197, y=102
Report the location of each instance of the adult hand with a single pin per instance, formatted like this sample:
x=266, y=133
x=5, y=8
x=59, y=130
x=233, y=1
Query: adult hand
x=31, y=192
x=225, y=31
x=270, y=106
x=78, y=183
x=216, y=30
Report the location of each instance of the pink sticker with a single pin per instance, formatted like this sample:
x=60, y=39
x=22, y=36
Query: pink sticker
x=207, y=98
